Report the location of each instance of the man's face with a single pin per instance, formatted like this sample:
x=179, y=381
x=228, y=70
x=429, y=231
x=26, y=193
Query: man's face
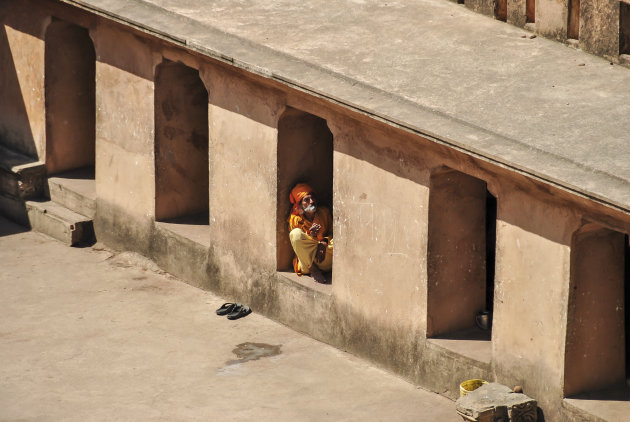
x=309, y=204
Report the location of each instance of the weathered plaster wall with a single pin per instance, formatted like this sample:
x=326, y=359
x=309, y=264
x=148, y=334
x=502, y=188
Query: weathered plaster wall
x=485, y=7
x=125, y=176
x=516, y=12
x=531, y=292
x=380, y=276
x=243, y=137
x=599, y=27
x=22, y=105
x=551, y=18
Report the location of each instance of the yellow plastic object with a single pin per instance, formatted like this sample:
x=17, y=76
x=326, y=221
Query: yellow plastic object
x=470, y=385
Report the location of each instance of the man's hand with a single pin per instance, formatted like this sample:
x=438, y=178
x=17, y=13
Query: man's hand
x=314, y=230
x=321, y=252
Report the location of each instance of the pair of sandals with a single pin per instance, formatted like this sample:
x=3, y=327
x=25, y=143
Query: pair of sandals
x=234, y=310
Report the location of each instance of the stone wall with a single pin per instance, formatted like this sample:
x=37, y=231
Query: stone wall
x=599, y=22
x=387, y=189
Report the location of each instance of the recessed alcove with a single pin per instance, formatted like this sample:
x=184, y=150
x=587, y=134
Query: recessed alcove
x=305, y=154
x=500, y=10
x=181, y=150
x=69, y=68
x=596, y=357
x=530, y=11
x=461, y=251
x=597, y=349
x=624, y=28
x=573, y=24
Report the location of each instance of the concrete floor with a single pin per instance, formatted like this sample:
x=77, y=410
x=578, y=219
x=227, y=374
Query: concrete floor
x=86, y=334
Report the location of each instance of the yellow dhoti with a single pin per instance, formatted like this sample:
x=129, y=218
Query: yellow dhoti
x=305, y=248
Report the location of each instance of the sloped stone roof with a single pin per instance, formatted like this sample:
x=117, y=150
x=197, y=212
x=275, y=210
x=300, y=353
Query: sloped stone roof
x=529, y=104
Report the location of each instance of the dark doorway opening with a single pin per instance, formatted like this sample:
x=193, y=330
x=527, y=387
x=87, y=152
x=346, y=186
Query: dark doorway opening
x=574, y=20
x=626, y=304
x=530, y=11
x=596, y=355
x=500, y=10
x=624, y=28
x=491, y=245
x=70, y=63
x=181, y=145
x=461, y=255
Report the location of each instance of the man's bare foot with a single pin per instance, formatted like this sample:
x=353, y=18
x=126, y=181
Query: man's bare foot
x=317, y=274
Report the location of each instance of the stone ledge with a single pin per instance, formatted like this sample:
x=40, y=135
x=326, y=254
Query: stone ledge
x=304, y=282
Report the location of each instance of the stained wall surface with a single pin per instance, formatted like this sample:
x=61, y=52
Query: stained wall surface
x=243, y=120
x=533, y=264
x=125, y=175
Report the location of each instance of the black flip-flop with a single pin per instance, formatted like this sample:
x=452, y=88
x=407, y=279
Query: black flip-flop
x=226, y=308
x=239, y=312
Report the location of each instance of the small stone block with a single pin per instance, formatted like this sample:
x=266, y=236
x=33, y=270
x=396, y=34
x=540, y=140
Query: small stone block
x=495, y=402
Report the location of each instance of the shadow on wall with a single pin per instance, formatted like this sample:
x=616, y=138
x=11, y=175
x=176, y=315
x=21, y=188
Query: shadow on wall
x=15, y=128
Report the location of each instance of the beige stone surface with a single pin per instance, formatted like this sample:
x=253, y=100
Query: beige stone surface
x=551, y=18
x=243, y=142
x=91, y=336
x=124, y=140
x=531, y=293
x=380, y=237
x=23, y=92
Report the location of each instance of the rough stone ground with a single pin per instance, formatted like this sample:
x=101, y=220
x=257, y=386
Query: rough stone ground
x=86, y=335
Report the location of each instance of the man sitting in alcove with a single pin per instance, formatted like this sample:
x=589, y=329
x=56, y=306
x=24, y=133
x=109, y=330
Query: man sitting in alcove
x=310, y=228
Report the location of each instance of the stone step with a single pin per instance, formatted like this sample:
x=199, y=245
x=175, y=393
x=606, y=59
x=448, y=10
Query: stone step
x=74, y=190
x=21, y=176
x=59, y=222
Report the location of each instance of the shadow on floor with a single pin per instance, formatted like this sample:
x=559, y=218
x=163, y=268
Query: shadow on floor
x=8, y=227
x=618, y=392
x=83, y=173
x=201, y=219
x=473, y=333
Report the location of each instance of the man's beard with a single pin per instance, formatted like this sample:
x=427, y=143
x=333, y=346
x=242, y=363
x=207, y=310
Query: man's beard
x=310, y=209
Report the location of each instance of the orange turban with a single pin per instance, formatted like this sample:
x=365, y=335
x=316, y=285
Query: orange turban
x=297, y=194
